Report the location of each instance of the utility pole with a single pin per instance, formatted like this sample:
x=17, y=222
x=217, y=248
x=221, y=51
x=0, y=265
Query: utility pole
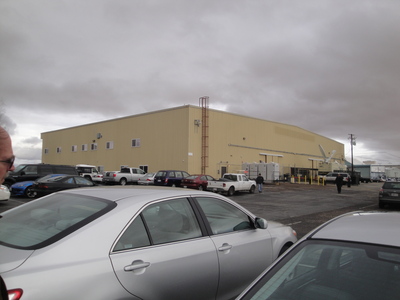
x=352, y=139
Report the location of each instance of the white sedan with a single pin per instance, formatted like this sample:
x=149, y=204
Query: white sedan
x=124, y=243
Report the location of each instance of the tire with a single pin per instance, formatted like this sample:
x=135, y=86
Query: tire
x=30, y=193
x=381, y=204
x=123, y=181
x=201, y=187
x=231, y=191
x=252, y=189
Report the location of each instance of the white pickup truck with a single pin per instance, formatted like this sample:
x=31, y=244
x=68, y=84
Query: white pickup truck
x=231, y=183
x=123, y=177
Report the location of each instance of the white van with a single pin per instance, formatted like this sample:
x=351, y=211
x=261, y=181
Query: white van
x=89, y=172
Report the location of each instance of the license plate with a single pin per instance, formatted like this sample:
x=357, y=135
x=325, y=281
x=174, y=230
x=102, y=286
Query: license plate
x=394, y=194
x=159, y=180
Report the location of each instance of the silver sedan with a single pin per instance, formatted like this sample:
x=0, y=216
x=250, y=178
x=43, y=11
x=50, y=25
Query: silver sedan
x=124, y=243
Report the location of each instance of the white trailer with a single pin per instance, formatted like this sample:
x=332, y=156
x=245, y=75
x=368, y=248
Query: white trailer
x=270, y=171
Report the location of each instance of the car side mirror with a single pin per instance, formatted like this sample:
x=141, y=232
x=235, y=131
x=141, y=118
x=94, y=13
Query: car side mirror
x=261, y=223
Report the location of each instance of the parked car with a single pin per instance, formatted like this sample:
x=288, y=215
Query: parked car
x=231, y=183
x=31, y=172
x=89, y=172
x=198, y=182
x=147, y=179
x=170, y=177
x=389, y=193
x=354, y=256
x=23, y=188
x=331, y=177
x=125, y=176
x=4, y=193
x=113, y=243
x=58, y=182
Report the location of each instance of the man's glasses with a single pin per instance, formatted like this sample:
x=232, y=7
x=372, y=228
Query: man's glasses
x=9, y=161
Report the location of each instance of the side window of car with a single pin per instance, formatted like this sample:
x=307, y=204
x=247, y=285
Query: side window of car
x=31, y=170
x=135, y=236
x=178, y=174
x=166, y=221
x=171, y=175
x=83, y=181
x=70, y=181
x=224, y=217
x=170, y=221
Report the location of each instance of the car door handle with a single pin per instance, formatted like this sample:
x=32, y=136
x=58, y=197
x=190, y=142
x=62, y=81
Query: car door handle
x=225, y=247
x=136, y=265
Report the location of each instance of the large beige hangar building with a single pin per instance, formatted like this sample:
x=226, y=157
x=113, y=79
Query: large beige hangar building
x=195, y=139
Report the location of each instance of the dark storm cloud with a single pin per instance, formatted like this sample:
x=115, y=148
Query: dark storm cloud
x=330, y=67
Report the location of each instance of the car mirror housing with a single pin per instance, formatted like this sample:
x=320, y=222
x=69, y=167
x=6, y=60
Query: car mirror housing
x=261, y=223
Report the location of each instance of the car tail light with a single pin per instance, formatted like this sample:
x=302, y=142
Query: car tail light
x=115, y=175
x=42, y=186
x=15, y=294
x=166, y=180
x=224, y=184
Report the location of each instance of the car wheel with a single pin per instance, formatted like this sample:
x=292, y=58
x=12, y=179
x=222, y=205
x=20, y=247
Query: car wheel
x=381, y=204
x=122, y=181
x=29, y=192
x=201, y=187
x=231, y=191
x=252, y=189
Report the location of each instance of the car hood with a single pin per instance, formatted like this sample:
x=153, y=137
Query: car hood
x=12, y=258
x=22, y=183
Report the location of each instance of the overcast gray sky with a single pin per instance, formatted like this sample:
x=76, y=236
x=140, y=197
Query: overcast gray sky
x=331, y=67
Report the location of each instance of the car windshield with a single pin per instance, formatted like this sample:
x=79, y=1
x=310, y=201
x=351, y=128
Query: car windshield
x=18, y=168
x=46, y=220
x=332, y=270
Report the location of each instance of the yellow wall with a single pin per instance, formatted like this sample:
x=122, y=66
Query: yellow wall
x=170, y=139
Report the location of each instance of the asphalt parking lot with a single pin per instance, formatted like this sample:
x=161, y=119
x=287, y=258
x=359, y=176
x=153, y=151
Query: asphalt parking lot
x=302, y=206
x=305, y=206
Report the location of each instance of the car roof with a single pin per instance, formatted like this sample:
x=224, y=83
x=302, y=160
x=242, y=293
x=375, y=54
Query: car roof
x=139, y=194
x=365, y=227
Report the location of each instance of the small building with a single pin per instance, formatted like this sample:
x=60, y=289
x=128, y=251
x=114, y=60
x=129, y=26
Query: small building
x=195, y=139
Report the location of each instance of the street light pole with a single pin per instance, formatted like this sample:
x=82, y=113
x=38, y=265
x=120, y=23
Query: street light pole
x=352, y=139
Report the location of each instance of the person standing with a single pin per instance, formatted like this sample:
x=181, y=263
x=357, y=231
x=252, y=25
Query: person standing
x=260, y=182
x=339, y=183
x=6, y=164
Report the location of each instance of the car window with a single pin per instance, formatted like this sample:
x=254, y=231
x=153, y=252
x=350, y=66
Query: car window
x=166, y=221
x=31, y=170
x=69, y=181
x=46, y=220
x=391, y=185
x=160, y=173
x=82, y=181
x=224, y=217
x=178, y=174
x=171, y=175
x=330, y=270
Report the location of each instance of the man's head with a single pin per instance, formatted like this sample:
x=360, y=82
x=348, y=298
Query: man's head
x=6, y=155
